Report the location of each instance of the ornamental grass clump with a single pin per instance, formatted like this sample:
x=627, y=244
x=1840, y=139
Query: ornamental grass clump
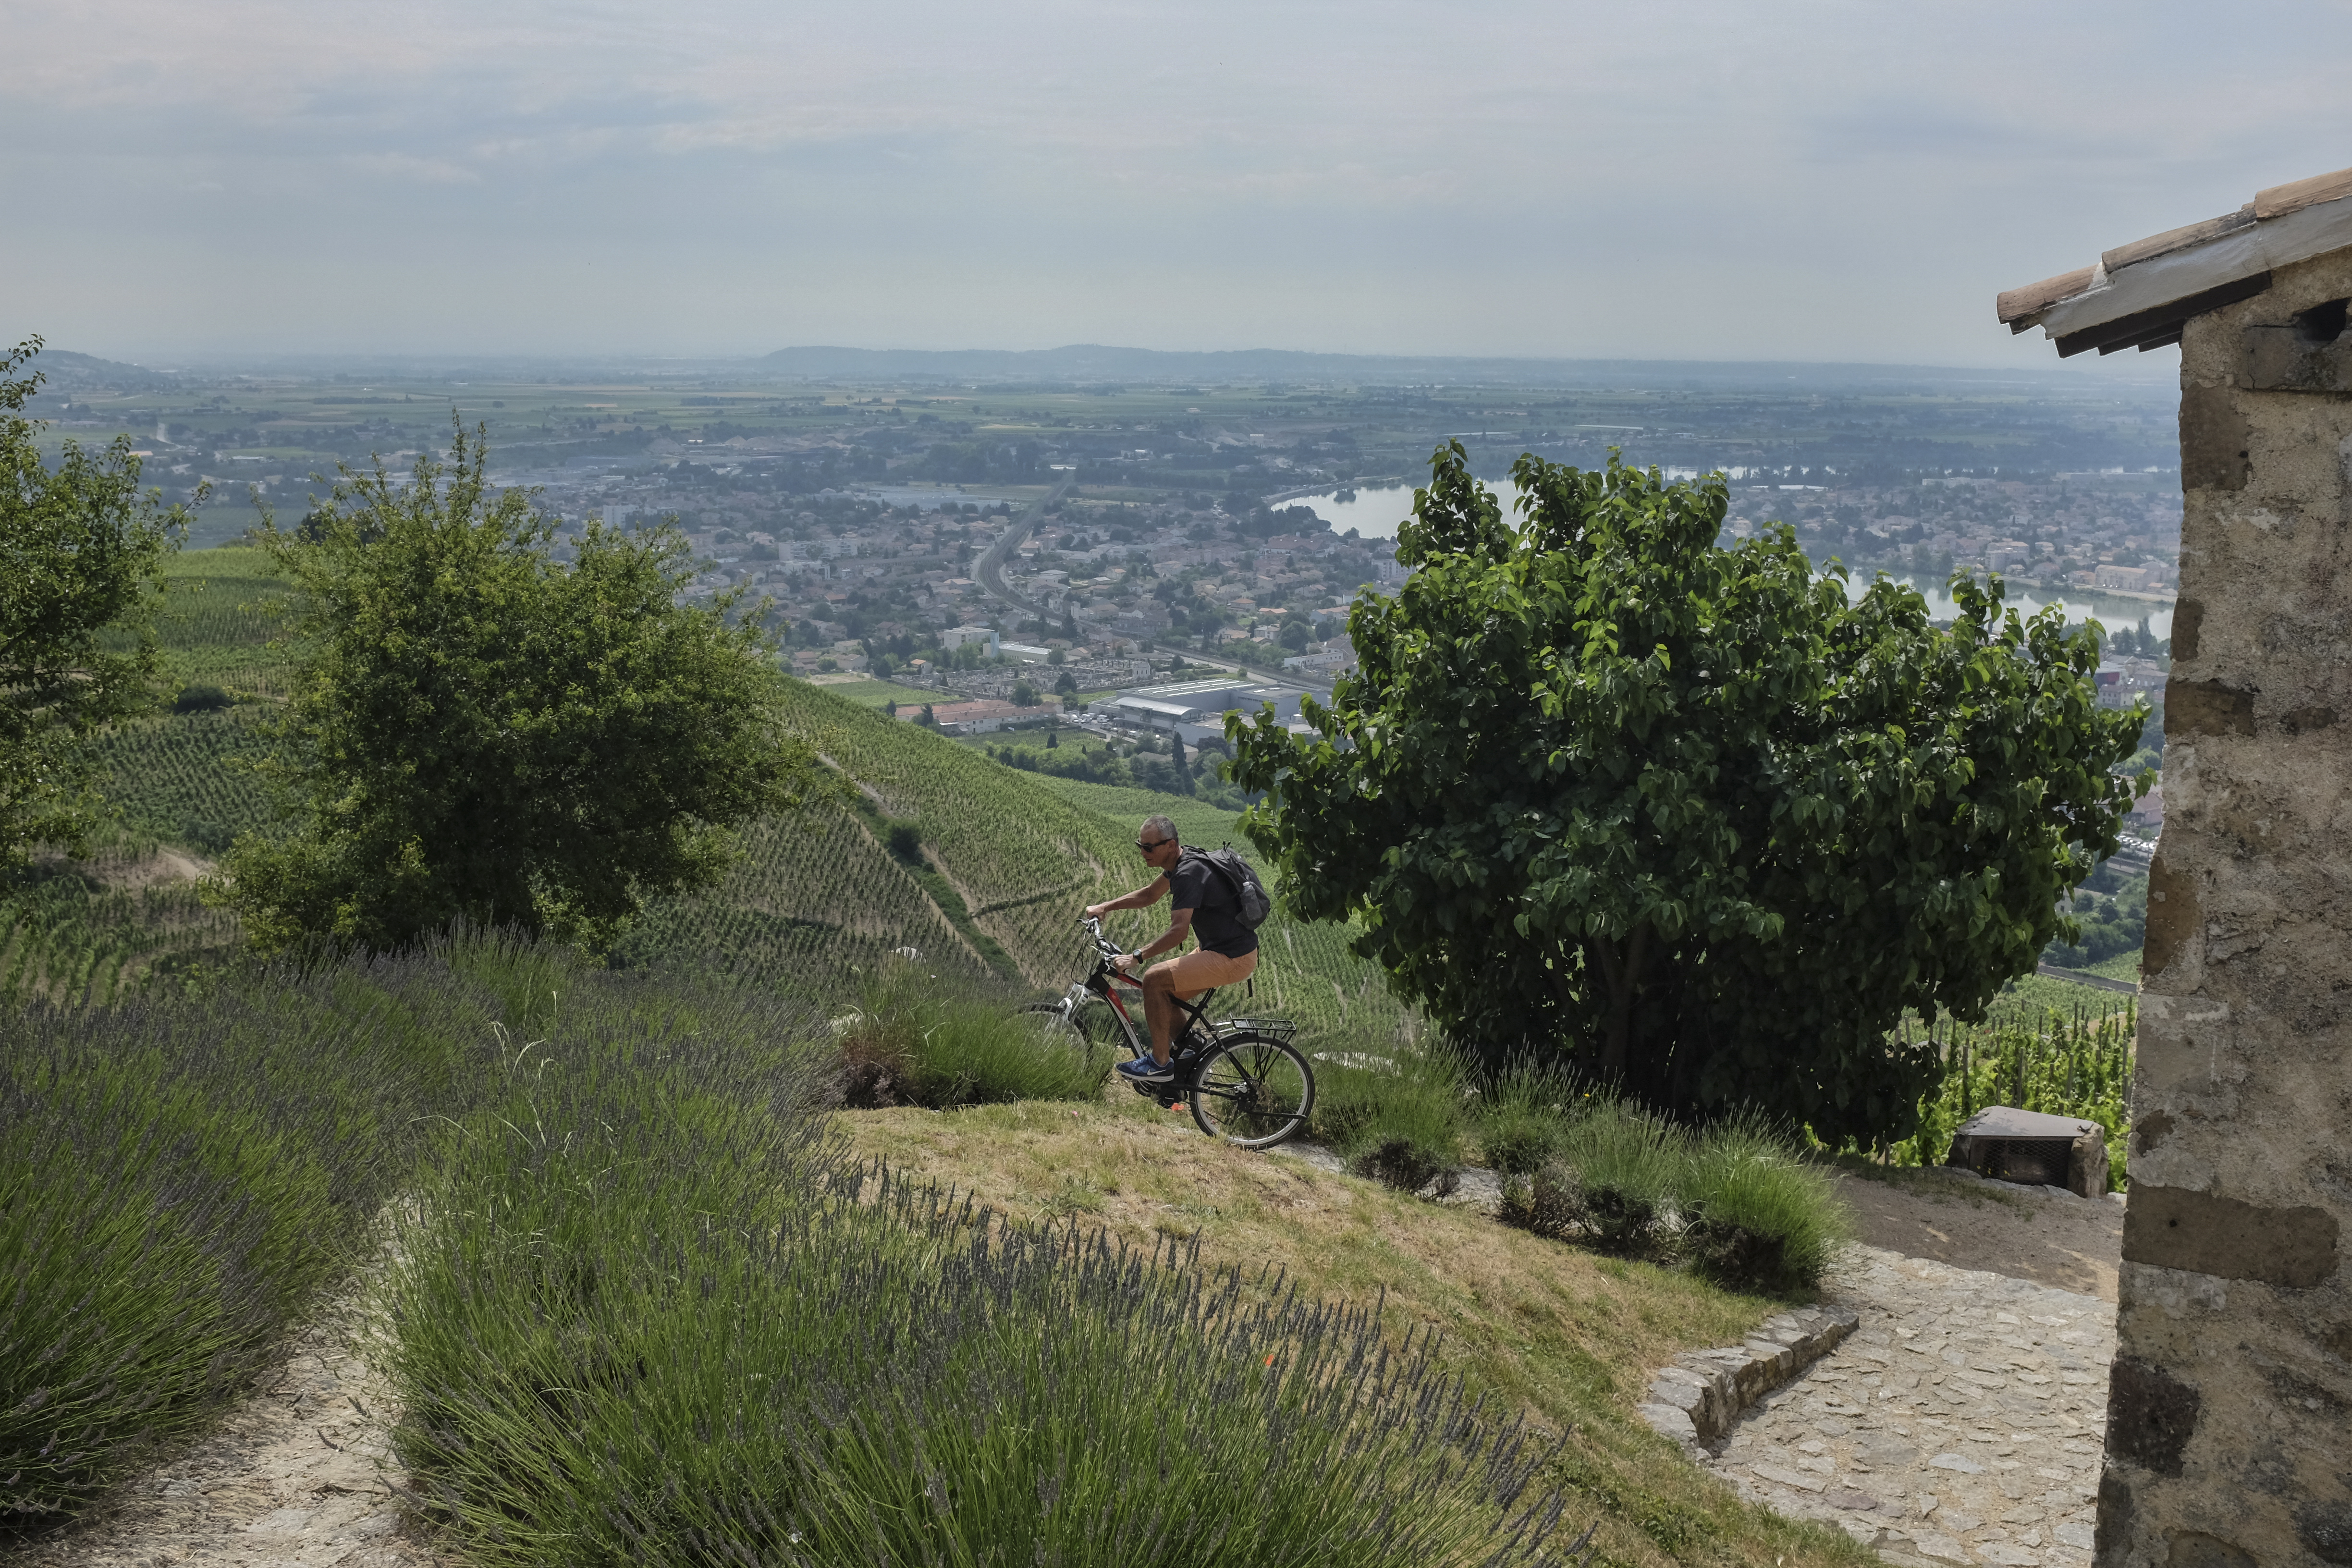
x=1522, y=1115
x=646, y=1313
x=916, y=1041
x=1736, y=1199
x=180, y=1178
x=1760, y=1218
x=1395, y=1113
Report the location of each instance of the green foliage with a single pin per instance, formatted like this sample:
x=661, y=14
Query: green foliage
x=1683, y=815
x=1735, y=1199
x=914, y=1041
x=1759, y=1218
x=481, y=734
x=2107, y=926
x=1395, y=1113
x=201, y=698
x=2066, y=1063
x=81, y=551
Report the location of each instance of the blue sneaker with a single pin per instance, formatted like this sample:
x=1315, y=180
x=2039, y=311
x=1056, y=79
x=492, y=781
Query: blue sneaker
x=1143, y=1069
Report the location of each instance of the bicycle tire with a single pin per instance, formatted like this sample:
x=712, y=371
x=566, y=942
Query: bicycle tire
x=1252, y=1090
x=1088, y=1027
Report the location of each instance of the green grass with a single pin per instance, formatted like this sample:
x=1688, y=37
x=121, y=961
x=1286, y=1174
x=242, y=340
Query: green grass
x=1737, y=1199
x=1561, y=1332
x=913, y=1041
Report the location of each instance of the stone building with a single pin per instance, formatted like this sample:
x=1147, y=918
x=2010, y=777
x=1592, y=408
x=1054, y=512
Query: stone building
x=2230, y=1416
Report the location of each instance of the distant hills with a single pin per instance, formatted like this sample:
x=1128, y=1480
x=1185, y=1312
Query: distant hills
x=1097, y=364
x=62, y=369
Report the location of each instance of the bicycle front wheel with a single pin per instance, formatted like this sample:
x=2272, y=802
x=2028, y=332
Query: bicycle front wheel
x=1088, y=1027
x=1253, y=1090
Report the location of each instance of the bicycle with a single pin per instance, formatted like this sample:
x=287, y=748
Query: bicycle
x=1241, y=1078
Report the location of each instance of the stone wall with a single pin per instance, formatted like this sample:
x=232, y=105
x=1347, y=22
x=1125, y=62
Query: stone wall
x=2230, y=1417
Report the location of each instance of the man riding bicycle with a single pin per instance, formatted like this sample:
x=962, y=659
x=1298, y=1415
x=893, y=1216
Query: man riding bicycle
x=1207, y=910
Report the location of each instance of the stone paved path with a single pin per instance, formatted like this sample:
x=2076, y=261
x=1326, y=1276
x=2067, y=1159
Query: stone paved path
x=1961, y=1424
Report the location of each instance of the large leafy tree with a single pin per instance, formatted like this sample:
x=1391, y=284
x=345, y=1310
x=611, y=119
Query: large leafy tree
x=481, y=731
x=1683, y=815
x=81, y=554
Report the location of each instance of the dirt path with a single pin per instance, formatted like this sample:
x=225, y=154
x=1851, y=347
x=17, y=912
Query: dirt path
x=2041, y=1234
x=301, y=1475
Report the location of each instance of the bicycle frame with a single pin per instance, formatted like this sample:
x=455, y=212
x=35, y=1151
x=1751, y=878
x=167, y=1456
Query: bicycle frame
x=1105, y=979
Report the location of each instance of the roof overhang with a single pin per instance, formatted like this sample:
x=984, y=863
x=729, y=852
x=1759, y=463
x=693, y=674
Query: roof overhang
x=2139, y=296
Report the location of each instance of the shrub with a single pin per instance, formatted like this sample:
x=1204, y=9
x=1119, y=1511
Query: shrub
x=201, y=698
x=179, y=1178
x=1520, y=1117
x=1761, y=1219
x=1394, y=1113
x=913, y=1042
x=1625, y=1165
x=647, y=1316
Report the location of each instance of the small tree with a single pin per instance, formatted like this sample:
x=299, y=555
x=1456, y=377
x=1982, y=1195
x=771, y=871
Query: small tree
x=1683, y=815
x=81, y=554
x=480, y=733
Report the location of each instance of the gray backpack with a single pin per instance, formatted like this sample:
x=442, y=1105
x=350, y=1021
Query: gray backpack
x=1251, y=902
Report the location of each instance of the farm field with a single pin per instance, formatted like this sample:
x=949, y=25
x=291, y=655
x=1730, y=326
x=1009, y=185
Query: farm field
x=874, y=693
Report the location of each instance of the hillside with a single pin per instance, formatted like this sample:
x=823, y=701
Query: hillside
x=1008, y=859
x=1011, y=859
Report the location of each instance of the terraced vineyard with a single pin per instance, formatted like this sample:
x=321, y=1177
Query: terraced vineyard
x=1021, y=856
x=814, y=902
x=180, y=776
x=63, y=940
x=220, y=610
x=1006, y=859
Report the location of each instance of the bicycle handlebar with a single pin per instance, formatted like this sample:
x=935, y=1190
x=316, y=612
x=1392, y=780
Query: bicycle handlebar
x=1103, y=944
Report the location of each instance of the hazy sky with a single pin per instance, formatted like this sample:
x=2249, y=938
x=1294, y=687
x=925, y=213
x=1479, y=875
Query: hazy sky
x=1806, y=179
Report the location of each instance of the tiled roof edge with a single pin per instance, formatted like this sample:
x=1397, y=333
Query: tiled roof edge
x=2125, y=272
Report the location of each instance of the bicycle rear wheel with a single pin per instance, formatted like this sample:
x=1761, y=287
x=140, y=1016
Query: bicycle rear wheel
x=1090, y=1025
x=1253, y=1090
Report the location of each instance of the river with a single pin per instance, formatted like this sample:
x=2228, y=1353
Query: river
x=1375, y=514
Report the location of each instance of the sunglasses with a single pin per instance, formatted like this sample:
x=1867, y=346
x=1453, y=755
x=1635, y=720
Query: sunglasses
x=1154, y=844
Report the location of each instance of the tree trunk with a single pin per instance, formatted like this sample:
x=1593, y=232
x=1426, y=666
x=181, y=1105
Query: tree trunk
x=1621, y=966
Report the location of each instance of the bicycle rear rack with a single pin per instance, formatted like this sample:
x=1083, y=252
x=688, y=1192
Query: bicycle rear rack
x=1279, y=1028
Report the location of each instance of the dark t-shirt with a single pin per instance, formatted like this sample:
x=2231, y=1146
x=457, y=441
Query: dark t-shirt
x=1215, y=925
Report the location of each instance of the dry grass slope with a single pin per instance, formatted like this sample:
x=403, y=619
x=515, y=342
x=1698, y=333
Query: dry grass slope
x=1568, y=1336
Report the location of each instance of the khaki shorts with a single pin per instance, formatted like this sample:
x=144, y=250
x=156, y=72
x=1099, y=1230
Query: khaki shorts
x=1201, y=970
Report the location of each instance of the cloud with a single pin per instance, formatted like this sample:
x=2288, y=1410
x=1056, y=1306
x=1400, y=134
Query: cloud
x=1824, y=178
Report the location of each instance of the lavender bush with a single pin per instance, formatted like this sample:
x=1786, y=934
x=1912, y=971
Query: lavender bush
x=178, y=1179
x=647, y=1315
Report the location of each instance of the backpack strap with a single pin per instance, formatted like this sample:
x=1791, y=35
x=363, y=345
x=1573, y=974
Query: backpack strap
x=1233, y=883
